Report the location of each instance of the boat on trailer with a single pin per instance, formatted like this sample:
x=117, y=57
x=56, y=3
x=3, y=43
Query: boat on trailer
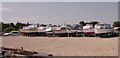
x=41, y=31
x=104, y=30
x=28, y=30
x=33, y=30
x=56, y=31
x=88, y=30
x=65, y=31
x=77, y=29
x=101, y=30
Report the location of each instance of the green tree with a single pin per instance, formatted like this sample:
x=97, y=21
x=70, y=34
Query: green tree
x=8, y=29
x=93, y=23
x=1, y=26
x=82, y=23
x=12, y=25
x=27, y=24
x=21, y=25
x=116, y=24
x=18, y=25
x=4, y=25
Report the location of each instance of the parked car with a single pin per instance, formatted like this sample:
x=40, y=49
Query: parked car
x=13, y=33
x=6, y=34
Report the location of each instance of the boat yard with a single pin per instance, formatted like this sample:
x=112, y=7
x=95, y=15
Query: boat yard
x=89, y=40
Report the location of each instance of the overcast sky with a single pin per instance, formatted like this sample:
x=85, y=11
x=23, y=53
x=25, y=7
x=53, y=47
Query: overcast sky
x=59, y=12
x=60, y=0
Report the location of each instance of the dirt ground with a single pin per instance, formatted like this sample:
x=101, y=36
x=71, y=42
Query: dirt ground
x=65, y=46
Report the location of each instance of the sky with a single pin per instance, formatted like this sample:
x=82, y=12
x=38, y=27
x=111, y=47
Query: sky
x=60, y=0
x=59, y=12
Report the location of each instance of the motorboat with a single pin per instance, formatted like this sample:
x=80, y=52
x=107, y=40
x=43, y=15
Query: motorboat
x=88, y=30
x=103, y=30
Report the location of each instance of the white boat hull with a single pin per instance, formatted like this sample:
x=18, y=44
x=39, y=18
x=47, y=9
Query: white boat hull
x=100, y=31
x=88, y=30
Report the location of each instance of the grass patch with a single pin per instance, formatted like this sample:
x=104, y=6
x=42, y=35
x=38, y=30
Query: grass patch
x=117, y=31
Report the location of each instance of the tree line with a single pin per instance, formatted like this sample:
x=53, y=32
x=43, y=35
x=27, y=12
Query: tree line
x=85, y=23
x=7, y=27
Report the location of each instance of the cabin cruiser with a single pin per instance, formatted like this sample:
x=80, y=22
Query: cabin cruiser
x=32, y=30
x=103, y=30
x=68, y=30
x=77, y=30
x=29, y=27
x=64, y=30
x=88, y=30
x=53, y=31
x=41, y=31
